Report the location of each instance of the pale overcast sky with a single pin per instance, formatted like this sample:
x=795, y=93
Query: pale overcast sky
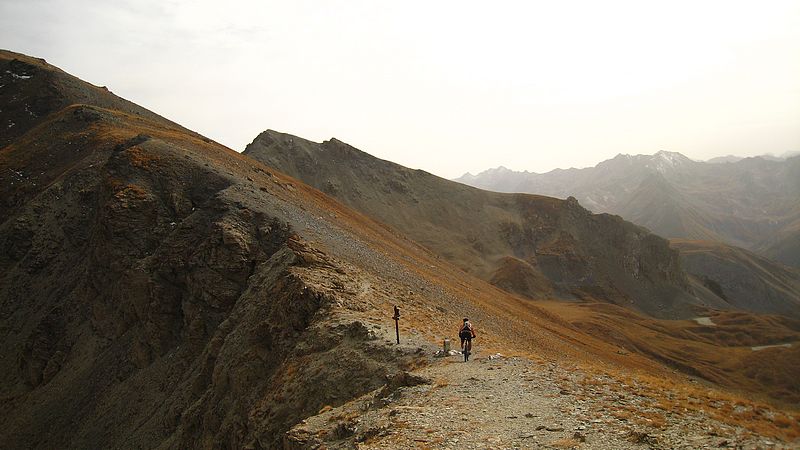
x=445, y=86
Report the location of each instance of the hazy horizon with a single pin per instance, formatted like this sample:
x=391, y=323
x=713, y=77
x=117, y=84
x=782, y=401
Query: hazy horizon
x=782, y=156
x=449, y=87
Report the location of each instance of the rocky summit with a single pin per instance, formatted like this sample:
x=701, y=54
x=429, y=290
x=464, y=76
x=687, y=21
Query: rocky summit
x=159, y=290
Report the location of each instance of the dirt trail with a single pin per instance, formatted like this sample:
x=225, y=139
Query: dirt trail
x=498, y=403
x=508, y=402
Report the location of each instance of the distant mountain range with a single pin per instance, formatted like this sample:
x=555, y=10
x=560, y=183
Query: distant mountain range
x=752, y=203
x=767, y=156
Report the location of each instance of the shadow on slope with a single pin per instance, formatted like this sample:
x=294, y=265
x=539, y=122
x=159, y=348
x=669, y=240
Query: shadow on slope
x=745, y=280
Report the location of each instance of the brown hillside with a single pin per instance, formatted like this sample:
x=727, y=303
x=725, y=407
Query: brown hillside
x=34, y=89
x=516, y=275
x=160, y=290
x=720, y=349
x=582, y=255
x=747, y=202
x=745, y=280
x=784, y=246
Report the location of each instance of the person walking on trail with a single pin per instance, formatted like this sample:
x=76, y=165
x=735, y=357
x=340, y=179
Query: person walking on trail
x=466, y=333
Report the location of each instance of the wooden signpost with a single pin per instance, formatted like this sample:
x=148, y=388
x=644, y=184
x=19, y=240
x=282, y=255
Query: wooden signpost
x=397, y=323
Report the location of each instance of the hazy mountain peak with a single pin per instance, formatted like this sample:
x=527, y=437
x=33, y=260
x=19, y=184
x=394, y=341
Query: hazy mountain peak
x=674, y=157
x=665, y=160
x=493, y=170
x=494, y=173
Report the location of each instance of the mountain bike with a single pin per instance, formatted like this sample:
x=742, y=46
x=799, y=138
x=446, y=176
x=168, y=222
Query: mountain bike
x=467, y=349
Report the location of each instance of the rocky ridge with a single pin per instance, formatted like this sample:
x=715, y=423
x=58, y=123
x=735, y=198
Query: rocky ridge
x=145, y=266
x=534, y=246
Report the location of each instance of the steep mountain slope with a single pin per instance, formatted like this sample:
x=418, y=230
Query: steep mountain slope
x=785, y=246
x=745, y=202
x=147, y=298
x=158, y=290
x=532, y=245
x=745, y=280
x=31, y=89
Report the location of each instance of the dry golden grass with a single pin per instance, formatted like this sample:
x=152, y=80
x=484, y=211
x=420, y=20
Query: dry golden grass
x=566, y=443
x=724, y=407
x=441, y=382
x=638, y=416
x=140, y=158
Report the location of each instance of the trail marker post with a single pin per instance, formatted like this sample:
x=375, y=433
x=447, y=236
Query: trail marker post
x=397, y=323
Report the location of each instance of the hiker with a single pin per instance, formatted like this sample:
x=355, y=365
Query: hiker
x=466, y=333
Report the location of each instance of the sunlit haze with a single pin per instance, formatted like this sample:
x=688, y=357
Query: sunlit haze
x=448, y=86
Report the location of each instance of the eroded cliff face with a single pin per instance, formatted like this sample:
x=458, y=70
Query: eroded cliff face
x=595, y=256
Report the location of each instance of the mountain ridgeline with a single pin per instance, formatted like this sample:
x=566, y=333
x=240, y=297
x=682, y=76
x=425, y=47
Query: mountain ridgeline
x=535, y=246
x=159, y=290
x=749, y=202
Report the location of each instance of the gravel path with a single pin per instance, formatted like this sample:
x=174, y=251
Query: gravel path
x=509, y=403
x=498, y=403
